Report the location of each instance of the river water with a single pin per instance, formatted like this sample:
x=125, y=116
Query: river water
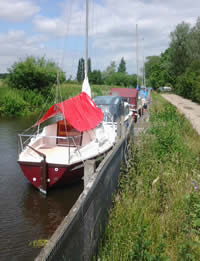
x=25, y=214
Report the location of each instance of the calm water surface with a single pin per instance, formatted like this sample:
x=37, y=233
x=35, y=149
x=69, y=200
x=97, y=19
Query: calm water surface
x=25, y=214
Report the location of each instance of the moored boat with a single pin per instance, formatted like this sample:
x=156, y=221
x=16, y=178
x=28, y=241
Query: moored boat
x=115, y=109
x=55, y=154
x=131, y=96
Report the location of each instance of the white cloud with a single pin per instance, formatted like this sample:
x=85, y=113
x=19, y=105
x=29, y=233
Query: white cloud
x=47, y=25
x=17, y=10
x=112, y=29
x=17, y=45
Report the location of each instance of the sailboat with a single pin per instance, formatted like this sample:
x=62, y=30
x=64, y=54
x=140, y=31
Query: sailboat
x=55, y=154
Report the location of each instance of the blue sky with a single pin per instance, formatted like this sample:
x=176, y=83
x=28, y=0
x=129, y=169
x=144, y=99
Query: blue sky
x=56, y=29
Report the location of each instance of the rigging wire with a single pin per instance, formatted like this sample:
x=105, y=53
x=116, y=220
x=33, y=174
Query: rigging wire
x=93, y=33
x=67, y=21
x=60, y=64
x=67, y=16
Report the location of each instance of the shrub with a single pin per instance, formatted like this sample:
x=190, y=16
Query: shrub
x=12, y=104
x=34, y=74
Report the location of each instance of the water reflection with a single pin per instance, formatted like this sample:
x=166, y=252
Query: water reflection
x=47, y=212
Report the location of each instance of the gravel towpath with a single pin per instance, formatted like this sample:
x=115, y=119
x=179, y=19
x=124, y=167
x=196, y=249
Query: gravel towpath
x=190, y=109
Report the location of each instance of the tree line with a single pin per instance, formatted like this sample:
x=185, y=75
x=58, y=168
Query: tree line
x=179, y=65
x=112, y=75
x=39, y=74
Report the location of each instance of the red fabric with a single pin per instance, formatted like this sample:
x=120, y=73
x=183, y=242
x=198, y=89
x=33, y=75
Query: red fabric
x=80, y=111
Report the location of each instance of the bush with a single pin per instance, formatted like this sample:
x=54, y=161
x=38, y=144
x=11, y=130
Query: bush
x=187, y=84
x=121, y=79
x=35, y=99
x=15, y=102
x=34, y=74
x=12, y=104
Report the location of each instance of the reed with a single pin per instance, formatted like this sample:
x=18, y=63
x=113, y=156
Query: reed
x=156, y=214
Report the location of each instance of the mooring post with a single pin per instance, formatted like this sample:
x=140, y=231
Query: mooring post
x=43, y=171
x=43, y=176
x=123, y=128
x=118, y=130
x=89, y=169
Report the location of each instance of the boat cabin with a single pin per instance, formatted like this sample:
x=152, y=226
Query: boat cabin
x=113, y=107
x=65, y=129
x=130, y=95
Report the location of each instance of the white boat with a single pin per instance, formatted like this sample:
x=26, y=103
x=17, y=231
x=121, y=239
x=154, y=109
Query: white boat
x=55, y=154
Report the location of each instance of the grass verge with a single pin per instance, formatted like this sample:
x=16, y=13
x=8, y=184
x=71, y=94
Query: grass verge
x=156, y=214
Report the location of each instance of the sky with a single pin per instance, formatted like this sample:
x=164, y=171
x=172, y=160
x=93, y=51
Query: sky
x=56, y=29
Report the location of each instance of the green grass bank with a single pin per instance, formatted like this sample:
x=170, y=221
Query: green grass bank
x=16, y=103
x=156, y=213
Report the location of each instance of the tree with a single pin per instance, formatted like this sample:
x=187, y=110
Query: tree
x=157, y=70
x=150, y=62
x=81, y=70
x=3, y=75
x=194, y=40
x=122, y=66
x=132, y=80
x=179, y=53
x=118, y=78
x=34, y=74
x=187, y=84
x=95, y=77
x=78, y=75
x=89, y=66
x=110, y=69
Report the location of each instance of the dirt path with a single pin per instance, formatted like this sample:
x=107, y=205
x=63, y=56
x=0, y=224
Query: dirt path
x=190, y=109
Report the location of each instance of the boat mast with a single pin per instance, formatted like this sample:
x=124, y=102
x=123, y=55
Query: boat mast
x=144, y=73
x=143, y=62
x=137, y=55
x=86, y=41
x=86, y=87
x=144, y=79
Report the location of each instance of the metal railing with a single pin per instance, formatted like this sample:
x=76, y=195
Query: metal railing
x=69, y=142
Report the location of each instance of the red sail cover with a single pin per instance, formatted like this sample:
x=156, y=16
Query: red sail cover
x=80, y=111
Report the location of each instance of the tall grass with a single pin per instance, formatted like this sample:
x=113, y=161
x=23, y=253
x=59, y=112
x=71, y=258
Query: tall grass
x=15, y=102
x=156, y=215
x=70, y=90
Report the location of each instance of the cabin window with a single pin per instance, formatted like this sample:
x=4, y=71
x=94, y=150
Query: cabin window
x=72, y=136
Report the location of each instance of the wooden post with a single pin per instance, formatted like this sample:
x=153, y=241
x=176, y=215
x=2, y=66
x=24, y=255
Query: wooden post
x=89, y=169
x=43, y=171
x=43, y=176
x=122, y=126
x=118, y=130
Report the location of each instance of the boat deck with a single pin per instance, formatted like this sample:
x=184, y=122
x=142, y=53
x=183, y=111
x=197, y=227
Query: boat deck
x=58, y=154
